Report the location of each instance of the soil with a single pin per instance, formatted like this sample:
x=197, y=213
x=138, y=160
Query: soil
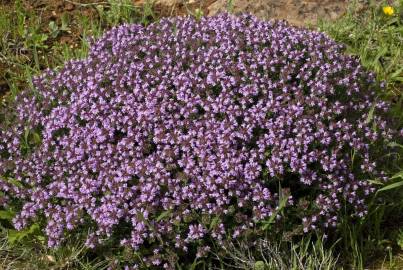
x=297, y=12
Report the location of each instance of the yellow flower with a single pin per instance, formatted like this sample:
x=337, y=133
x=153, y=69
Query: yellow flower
x=388, y=10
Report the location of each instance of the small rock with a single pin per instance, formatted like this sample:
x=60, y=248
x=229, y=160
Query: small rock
x=50, y=258
x=69, y=7
x=66, y=40
x=334, y=15
x=53, y=15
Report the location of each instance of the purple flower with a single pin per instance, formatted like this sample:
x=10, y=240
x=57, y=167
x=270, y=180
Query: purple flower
x=161, y=126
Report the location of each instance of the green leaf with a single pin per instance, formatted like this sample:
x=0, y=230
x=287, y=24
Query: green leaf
x=42, y=38
x=53, y=29
x=392, y=21
x=397, y=74
x=381, y=52
x=164, y=215
x=15, y=236
x=7, y=215
x=400, y=240
x=270, y=221
x=397, y=175
x=13, y=181
x=391, y=186
x=53, y=26
x=65, y=23
x=35, y=138
x=376, y=182
x=33, y=228
x=370, y=114
x=259, y=265
x=214, y=222
x=283, y=199
x=26, y=134
x=395, y=144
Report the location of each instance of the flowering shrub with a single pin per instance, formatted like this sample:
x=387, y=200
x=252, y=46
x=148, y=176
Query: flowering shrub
x=177, y=134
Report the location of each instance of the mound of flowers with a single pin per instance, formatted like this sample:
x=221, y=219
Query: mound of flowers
x=171, y=136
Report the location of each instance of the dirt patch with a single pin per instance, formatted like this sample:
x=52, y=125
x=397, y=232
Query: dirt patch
x=169, y=8
x=297, y=12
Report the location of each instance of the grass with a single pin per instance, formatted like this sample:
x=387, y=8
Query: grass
x=29, y=43
x=305, y=254
x=376, y=38
x=35, y=256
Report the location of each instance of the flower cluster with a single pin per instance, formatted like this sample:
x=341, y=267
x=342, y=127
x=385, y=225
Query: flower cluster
x=184, y=130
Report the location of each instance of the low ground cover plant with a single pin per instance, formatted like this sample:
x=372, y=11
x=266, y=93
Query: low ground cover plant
x=170, y=138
